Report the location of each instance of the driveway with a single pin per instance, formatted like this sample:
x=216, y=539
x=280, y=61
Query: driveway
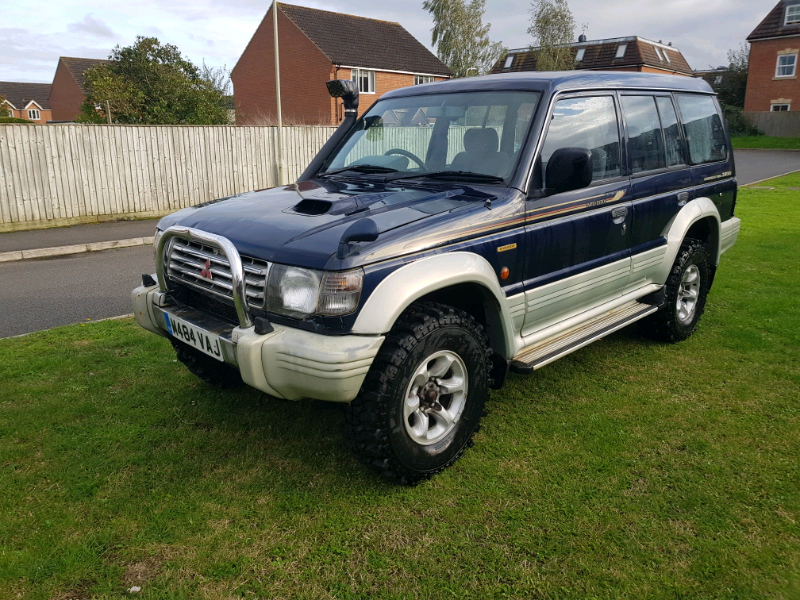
x=755, y=165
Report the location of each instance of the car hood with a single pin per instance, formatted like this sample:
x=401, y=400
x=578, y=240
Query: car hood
x=302, y=223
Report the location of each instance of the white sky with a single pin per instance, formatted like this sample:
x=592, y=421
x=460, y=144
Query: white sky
x=31, y=40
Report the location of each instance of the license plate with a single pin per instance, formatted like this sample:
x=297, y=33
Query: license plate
x=206, y=342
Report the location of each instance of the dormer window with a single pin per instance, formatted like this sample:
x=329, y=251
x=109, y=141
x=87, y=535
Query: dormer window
x=509, y=61
x=792, y=15
x=621, y=50
x=579, y=55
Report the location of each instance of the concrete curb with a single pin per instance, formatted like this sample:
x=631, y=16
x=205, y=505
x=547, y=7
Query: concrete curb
x=74, y=249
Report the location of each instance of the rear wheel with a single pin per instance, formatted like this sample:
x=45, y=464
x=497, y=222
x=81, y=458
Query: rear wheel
x=686, y=293
x=424, y=395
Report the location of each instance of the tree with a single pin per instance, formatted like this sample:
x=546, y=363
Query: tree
x=734, y=83
x=151, y=83
x=553, y=30
x=461, y=38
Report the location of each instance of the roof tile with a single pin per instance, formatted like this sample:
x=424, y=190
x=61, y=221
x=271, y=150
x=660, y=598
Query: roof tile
x=20, y=93
x=361, y=42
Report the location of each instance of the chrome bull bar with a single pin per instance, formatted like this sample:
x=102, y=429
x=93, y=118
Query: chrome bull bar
x=227, y=248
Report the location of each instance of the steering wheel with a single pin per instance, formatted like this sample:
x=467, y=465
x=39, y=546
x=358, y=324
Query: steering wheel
x=407, y=154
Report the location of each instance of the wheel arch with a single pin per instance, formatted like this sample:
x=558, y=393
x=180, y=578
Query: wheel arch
x=463, y=280
x=699, y=219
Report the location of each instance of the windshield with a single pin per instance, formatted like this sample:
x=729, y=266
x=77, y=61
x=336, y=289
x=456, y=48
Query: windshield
x=470, y=132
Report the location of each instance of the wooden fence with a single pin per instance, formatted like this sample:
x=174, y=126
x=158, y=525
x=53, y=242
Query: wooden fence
x=777, y=124
x=65, y=174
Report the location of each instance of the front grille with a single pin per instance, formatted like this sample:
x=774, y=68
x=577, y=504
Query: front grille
x=206, y=269
x=210, y=305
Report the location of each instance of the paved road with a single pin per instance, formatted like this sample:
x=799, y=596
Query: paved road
x=755, y=165
x=40, y=294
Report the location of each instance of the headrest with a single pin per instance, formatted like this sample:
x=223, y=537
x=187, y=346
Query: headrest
x=481, y=141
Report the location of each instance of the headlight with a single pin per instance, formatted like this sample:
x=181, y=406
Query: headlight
x=297, y=292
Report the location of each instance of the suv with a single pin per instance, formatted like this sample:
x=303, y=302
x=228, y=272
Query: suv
x=454, y=232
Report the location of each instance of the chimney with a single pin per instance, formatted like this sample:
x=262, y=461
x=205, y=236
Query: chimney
x=581, y=38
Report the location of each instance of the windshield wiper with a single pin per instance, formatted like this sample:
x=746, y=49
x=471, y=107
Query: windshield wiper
x=462, y=175
x=359, y=169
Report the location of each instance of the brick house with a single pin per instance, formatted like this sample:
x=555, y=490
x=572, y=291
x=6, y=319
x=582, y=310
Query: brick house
x=316, y=46
x=772, y=83
x=30, y=101
x=69, y=86
x=617, y=54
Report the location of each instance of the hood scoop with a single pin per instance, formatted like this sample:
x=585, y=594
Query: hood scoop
x=312, y=207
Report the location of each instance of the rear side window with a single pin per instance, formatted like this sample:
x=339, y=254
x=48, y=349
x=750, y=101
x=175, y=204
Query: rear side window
x=645, y=142
x=672, y=133
x=702, y=126
x=587, y=122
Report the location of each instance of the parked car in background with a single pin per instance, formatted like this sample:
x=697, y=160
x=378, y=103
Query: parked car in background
x=456, y=231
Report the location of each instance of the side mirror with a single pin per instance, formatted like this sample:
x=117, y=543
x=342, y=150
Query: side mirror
x=568, y=169
x=347, y=90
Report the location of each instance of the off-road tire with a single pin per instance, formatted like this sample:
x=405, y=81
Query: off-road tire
x=206, y=368
x=376, y=429
x=667, y=324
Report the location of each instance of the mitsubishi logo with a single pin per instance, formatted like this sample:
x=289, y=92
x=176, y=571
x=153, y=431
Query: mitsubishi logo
x=207, y=271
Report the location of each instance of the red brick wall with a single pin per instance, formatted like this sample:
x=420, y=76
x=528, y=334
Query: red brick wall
x=762, y=85
x=304, y=71
x=66, y=96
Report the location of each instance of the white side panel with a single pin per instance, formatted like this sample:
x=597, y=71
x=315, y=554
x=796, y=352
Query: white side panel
x=729, y=233
x=645, y=267
x=563, y=299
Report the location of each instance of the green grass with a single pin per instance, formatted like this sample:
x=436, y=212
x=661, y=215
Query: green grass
x=629, y=469
x=764, y=142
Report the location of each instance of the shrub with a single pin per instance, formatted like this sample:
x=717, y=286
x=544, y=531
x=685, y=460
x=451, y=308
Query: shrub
x=737, y=124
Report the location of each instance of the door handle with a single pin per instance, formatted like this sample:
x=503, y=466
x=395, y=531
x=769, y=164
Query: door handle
x=618, y=214
x=683, y=198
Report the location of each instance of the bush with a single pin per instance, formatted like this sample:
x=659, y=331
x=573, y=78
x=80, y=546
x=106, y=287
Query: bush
x=737, y=124
x=14, y=120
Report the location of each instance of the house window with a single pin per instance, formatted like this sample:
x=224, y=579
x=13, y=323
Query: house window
x=579, y=55
x=420, y=79
x=365, y=80
x=509, y=61
x=621, y=50
x=666, y=55
x=33, y=114
x=779, y=107
x=792, y=14
x=658, y=53
x=787, y=64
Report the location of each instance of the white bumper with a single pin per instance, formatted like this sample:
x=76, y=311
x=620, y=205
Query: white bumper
x=287, y=363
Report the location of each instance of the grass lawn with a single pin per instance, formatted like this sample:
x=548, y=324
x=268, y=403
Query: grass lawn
x=629, y=469
x=764, y=142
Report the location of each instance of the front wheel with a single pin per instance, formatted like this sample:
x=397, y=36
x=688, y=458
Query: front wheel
x=423, y=396
x=686, y=293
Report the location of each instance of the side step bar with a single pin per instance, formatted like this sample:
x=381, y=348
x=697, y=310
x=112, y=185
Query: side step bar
x=547, y=351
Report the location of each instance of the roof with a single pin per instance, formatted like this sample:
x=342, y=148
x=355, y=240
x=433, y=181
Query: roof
x=559, y=81
x=353, y=41
x=20, y=94
x=772, y=25
x=601, y=55
x=78, y=66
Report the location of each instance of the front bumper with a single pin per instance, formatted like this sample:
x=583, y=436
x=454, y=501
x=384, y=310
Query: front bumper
x=287, y=363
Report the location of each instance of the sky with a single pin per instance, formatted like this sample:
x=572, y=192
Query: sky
x=217, y=31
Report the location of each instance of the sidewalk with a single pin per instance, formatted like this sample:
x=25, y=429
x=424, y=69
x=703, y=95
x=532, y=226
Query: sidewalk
x=42, y=243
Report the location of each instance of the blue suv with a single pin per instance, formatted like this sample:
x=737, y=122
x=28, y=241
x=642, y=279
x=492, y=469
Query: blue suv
x=453, y=233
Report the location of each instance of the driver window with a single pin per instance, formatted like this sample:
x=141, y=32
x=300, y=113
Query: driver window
x=590, y=123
